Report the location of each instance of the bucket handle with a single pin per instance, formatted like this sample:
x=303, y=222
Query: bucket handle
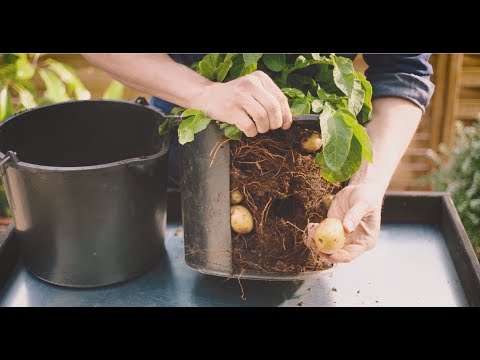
x=10, y=155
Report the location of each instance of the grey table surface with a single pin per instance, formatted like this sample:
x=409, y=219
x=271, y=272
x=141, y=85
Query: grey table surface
x=410, y=266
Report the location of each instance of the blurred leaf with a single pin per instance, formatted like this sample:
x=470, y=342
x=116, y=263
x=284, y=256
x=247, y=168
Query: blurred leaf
x=56, y=91
x=6, y=107
x=25, y=70
x=69, y=77
x=27, y=99
x=114, y=91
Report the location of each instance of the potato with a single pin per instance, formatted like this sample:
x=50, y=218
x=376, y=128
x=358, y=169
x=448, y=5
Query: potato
x=327, y=200
x=329, y=236
x=312, y=143
x=241, y=219
x=236, y=197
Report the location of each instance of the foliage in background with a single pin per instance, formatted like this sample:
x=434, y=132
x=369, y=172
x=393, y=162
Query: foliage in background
x=325, y=85
x=461, y=178
x=30, y=80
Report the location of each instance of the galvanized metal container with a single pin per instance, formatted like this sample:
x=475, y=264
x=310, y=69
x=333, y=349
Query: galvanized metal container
x=86, y=181
x=205, y=197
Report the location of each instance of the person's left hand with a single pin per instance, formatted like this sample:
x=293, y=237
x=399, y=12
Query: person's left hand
x=359, y=208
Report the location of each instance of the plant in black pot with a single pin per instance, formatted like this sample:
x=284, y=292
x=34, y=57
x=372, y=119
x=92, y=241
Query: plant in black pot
x=276, y=179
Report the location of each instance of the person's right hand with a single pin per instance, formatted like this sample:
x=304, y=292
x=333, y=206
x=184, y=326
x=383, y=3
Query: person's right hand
x=253, y=103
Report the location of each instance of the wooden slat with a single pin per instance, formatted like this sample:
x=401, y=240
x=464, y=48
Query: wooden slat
x=470, y=77
x=438, y=100
x=470, y=60
x=468, y=109
x=451, y=100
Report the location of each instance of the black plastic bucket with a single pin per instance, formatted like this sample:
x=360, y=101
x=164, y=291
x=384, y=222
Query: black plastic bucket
x=87, y=188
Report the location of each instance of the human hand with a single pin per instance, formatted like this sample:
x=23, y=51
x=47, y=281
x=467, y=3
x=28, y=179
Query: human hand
x=253, y=103
x=359, y=207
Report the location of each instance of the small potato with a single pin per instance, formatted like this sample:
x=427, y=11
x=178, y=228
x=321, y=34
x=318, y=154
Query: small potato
x=329, y=237
x=312, y=143
x=327, y=200
x=236, y=197
x=241, y=219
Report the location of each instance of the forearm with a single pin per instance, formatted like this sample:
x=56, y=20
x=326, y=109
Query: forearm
x=154, y=74
x=394, y=122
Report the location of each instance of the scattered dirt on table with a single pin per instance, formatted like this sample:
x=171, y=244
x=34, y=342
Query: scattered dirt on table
x=282, y=187
x=300, y=303
x=334, y=289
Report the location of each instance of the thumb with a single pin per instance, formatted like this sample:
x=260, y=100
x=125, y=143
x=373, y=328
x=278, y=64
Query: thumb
x=353, y=216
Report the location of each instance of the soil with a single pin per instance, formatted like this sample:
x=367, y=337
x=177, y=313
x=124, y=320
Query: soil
x=282, y=187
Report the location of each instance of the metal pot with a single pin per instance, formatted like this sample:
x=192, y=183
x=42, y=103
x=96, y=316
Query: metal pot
x=86, y=181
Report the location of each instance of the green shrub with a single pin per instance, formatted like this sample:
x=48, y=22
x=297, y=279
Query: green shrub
x=20, y=75
x=460, y=176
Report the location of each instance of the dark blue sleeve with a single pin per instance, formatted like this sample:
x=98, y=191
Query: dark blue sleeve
x=401, y=75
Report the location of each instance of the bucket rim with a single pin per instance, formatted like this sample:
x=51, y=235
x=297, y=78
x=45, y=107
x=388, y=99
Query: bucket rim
x=110, y=165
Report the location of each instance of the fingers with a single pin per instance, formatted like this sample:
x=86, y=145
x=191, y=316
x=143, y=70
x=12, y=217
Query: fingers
x=280, y=96
x=270, y=104
x=354, y=215
x=258, y=114
x=348, y=253
x=245, y=124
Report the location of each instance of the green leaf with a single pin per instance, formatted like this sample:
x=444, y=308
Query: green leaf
x=300, y=63
x=300, y=106
x=251, y=59
x=337, y=136
x=343, y=74
x=323, y=96
x=275, y=62
x=56, y=91
x=206, y=69
x=230, y=56
x=6, y=107
x=25, y=70
x=293, y=93
x=351, y=165
x=222, y=70
x=359, y=132
x=248, y=69
x=165, y=126
x=191, y=125
x=114, y=91
x=316, y=56
x=186, y=135
x=366, y=111
x=317, y=106
x=191, y=112
x=355, y=102
x=176, y=110
x=232, y=132
x=362, y=136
